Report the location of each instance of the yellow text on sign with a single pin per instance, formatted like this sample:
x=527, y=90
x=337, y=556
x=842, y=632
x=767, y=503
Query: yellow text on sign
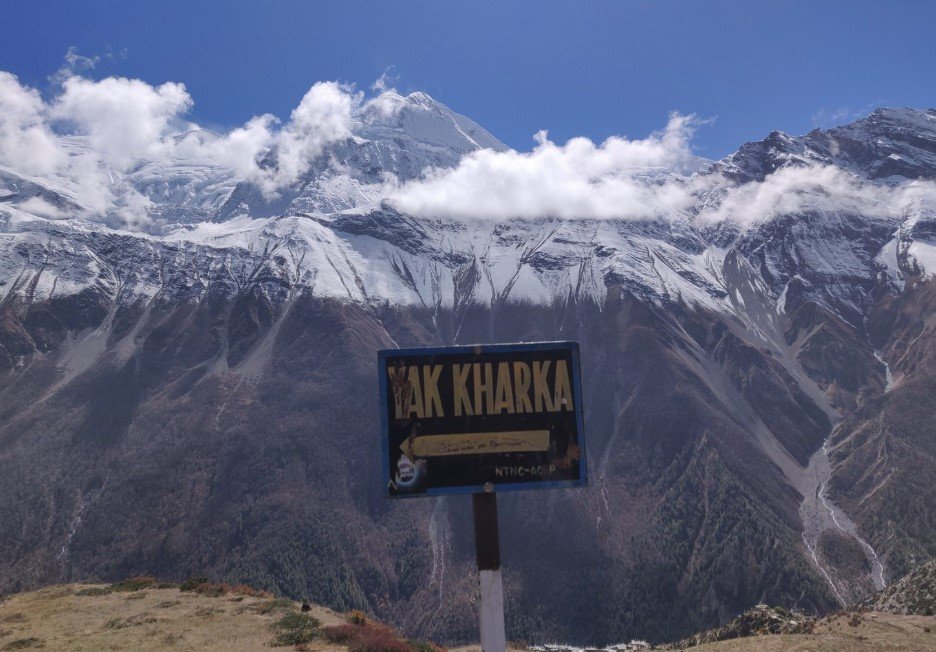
x=482, y=389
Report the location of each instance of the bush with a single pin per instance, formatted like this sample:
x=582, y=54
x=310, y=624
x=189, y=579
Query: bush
x=191, y=583
x=202, y=586
x=379, y=641
x=94, y=590
x=134, y=583
x=366, y=638
x=211, y=590
x=340, y=633
x=295, y=628
x=246, y=590
x=271, y=606
x=357, y=618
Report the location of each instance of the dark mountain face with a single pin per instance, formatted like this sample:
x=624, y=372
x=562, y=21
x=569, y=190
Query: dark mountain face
x=757, y=406
x=158, y=463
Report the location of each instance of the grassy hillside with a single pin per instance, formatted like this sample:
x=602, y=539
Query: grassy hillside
x=869, y=632
x=142, y=614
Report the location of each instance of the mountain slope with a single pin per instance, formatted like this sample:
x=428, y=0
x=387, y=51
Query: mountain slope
x=190, y=396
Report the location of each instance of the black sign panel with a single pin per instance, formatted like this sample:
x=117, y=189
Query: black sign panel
x=474, y=418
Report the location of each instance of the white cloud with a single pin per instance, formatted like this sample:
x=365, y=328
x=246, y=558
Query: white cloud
x=322, y=117
x=124, y=119
x=619, y=178
x=75, y=64
x=26, y=141
x=386, y=81
x=240, y=150
x=39, y=206
x=798, y=189
x=93, y=183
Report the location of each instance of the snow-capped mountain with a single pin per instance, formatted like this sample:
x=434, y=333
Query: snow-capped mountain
x=891, y=144
x=356, y=246
x=181, y=393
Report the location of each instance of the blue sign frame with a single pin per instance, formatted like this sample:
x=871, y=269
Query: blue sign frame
x=480, y=349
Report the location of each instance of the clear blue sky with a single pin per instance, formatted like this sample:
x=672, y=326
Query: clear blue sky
x=574, y=68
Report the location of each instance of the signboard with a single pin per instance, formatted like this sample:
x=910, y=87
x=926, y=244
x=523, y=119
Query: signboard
x=479, y=418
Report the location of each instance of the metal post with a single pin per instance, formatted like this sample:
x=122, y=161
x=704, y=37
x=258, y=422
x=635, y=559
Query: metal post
x=487, y=551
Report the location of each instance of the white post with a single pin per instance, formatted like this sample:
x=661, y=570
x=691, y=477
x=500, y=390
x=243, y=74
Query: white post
x=493, y=637
x=487, y=551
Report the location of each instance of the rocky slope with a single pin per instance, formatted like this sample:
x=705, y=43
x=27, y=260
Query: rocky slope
x=913, y=594
x=195, y=395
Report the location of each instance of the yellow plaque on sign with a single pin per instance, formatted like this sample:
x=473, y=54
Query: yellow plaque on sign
x=477, y=443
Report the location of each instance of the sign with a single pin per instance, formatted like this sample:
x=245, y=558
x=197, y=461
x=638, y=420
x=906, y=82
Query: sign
x=469, y=419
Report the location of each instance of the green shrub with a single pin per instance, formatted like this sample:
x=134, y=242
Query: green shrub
x=94, y=590
x=295, y=628
x=134, y=583
x=192, y=583
x=210, y=590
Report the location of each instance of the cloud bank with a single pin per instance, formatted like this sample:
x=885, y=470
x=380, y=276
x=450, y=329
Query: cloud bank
x=619, y=178
x=90, y=133
x=122, y=122
x=811, y=188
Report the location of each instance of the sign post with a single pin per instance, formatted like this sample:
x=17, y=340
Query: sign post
x=480, y=419
x=487, y=553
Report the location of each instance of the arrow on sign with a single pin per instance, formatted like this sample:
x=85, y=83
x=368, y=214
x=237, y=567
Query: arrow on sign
x=477, y=443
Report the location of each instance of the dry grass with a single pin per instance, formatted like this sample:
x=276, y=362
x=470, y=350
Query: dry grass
x=871, y=632
x=141, y=616
x=146, y=617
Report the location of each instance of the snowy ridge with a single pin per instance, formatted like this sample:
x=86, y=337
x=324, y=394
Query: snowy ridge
x=890, y=145
x=333, y=233
x=359, y=248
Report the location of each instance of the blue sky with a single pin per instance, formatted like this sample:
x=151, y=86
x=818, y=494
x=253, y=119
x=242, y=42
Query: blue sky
x=575, y=68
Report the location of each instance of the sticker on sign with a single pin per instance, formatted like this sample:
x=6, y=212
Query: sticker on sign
x=501, y=416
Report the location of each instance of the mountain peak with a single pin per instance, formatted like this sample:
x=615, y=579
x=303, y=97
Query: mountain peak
x=419, y=117
x=889, y=144
x=904, y=114
x=420, y=97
